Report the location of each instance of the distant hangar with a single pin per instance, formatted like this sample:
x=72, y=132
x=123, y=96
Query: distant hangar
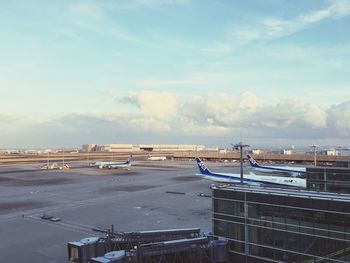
x=141, y=147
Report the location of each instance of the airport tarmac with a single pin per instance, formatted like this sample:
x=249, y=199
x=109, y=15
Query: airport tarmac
x=86, y=198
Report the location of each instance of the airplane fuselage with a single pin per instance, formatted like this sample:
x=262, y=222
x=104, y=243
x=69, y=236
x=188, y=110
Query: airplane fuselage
x=157, y=158
x=252, y=179
x=294, y=171
x=255, y=179
x=280, y=170
x=113, y=165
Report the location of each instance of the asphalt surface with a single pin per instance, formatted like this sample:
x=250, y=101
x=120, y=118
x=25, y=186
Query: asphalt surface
x=143, y=198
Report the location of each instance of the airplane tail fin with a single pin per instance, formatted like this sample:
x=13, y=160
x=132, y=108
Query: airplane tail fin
x=201, y=167
x=129, y=159
x=252, y=162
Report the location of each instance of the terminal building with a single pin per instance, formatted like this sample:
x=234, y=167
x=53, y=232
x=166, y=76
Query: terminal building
x=282, y=225
x=328, y=179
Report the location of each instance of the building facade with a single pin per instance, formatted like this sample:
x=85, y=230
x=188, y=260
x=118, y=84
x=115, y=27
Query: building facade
x=328, y=179
x=281, y=225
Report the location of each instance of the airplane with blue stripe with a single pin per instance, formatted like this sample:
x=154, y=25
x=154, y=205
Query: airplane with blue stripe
x=114, y=165
x=251, y=179
x=293, y=171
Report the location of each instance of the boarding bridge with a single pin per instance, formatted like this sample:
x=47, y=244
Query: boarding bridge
x=194, y=250
x=81, y=251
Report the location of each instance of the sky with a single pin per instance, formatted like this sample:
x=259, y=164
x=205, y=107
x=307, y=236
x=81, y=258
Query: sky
x=274, y=72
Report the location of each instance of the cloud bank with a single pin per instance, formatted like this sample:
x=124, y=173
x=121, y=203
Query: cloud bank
x=164, y=117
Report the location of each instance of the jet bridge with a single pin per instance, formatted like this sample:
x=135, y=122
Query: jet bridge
x=82, y=251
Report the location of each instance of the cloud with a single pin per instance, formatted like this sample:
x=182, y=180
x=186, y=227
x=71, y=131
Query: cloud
x=220, y=109
x=7, y=118
x=270, y=28
x=288, y=114
x=337, y=9
x=149, y=124
x=168, y=118
x=223, y=114
x=338, y=117
x=155, y=105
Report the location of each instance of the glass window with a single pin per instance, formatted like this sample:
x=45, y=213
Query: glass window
x=236, y=246
x=229, y=230
x=229, y=207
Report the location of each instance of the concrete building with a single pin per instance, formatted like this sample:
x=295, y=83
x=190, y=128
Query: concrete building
x=170, y=147
x=88, y=147
x=282, y=225
x=257, y=151
x=117, y=148
x=9, y=151
x=287, y=152
x=331, y=152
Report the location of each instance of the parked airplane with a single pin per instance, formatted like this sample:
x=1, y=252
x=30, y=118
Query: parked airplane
x=294, y=171
x=252, y=179
x=156, y=158
x=114, y=165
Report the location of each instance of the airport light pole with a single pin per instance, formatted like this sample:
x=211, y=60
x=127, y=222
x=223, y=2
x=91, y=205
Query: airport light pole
x=314, y=146
x=62, y=159
x=87, y=157
x=240, y=146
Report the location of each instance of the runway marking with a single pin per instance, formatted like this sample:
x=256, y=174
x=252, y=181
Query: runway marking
x=66, y=225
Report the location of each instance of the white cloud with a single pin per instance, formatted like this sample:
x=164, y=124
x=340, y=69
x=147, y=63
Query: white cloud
x=247, y=112
x=220, y=109
x=339, y=116
x=337, y=9
x=192, y=128
x=170, y=117
x=156, y=105
x=149, y=124
x=290, y=113
x=270, y=28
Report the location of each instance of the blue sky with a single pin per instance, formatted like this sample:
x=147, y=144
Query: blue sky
x=174, y=71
